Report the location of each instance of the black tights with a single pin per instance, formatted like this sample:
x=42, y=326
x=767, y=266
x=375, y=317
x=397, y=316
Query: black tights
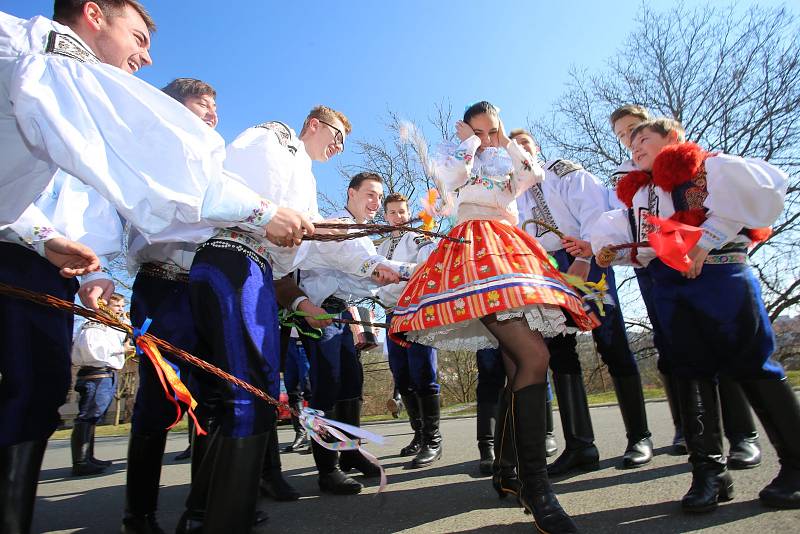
x=525, y=354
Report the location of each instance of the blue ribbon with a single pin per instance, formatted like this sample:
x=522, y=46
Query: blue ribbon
x=140, y=332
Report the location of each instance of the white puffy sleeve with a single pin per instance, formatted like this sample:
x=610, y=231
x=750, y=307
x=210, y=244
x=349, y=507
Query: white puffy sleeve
x=587, y=199
x=453, y=164
x=612, y=228
x=32, y=229
x=527, y=170
x=141, y=149
x=742, y=193
x=356, y=257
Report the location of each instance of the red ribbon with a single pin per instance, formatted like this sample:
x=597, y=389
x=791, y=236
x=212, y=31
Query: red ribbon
x=672, y=241
x=176, y=391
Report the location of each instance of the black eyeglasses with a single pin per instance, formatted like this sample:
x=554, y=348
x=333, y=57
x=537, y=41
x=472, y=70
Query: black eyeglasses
x=338, y=137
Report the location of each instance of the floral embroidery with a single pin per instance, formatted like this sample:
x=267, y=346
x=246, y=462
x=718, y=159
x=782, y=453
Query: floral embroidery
x=494, y=299
x=456, y=279
x=257, y=217
x=529, y=293
x=406, y=299
x=438, y=267
x=40, y=233
x=478, y=238
x=481, y=253
x=457, y=262
x=431, y=284
x=365, y=267
x=430, y=314
x=460, y=306
x=484, y=268
x=527, y=165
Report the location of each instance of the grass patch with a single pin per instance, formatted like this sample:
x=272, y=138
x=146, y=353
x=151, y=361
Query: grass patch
x=114, y=430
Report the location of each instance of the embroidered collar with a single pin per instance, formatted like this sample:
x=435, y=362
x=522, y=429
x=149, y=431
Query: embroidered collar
x=64, y=44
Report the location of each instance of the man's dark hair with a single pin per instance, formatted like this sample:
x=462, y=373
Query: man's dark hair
x=182, y=88
x=476, y=109
x=360, y=178
x=634, y=110
x=394, y=197
x=66, y=11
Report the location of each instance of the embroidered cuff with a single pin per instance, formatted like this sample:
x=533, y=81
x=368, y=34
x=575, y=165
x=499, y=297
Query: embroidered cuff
x=38, y=237
x=260, y=217
x=717, y=232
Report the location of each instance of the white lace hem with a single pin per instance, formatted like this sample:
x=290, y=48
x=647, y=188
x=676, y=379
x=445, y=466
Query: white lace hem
x=472, y=335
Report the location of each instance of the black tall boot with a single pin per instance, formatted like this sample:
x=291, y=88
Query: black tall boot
x=535, y=493
x=300, y=434
x=272, y=482
x=104, y=463
x=744, y=451
x=81, y=445
x=233, y=488
x=331, y=478
x=485, y=424
x=777, y=407
x=349, y=411
x=631, y=403
x=711, y=481
x=204, y=449
x=145, y=453
x=504, y=477
x=431, y=436
x=580, y=451
x=19, y=475
x=411, y=403
x=550, y=441
x=671, y=391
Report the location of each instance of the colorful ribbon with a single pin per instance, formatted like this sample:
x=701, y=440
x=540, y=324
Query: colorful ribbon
x=319, y=427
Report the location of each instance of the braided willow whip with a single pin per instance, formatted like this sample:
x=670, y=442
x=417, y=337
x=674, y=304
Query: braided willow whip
x=544, y=225
x=54, y=302
x=368, y=229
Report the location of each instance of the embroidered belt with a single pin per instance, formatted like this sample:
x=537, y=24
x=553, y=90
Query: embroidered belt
x=236, y=246
x=164, y=271
x=731, y=253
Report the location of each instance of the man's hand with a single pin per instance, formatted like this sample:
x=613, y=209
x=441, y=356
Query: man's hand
x=698, y=256
x=91, y=291
x=74, y=259
x=383, y=275
x=577, y=247
x=287, y=227
x=579, y=269
x=308, y=307
x=464, y=131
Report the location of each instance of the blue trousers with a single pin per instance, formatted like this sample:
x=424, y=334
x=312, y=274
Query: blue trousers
x=645, y=280
x=94, y=397
x=35, y=345
x=610, y=337
x=336, y=371
x=167, y=303
x=296, y=369
x=413, y=368
x=716, y=323
x=234, y=308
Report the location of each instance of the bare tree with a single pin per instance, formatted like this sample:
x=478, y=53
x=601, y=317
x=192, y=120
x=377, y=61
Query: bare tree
x=732, y=78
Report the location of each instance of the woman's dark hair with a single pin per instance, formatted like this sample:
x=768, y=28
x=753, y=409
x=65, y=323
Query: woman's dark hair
x=476, y=109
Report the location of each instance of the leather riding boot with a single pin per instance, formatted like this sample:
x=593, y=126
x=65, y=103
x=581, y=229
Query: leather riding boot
x=145, y=453
x=504, y=477
x=744, y=451
x=104, y=463
x=711, y=481
x=19, y=475
x=485, y=423
x=331, y=478
x=411, y=403
x=431, y=437
x=550, y=441
x=631, y=403
x=776, y=405
x=272, y=482
x=671, y=391
x=535, y=494
x=81, y=446
x=300, y=434
x=349, y=411
x=580, y=451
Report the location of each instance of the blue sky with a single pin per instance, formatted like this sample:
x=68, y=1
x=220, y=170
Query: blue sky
x=275, y=60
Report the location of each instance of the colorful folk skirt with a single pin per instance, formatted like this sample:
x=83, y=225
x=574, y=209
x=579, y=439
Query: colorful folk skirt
x=497, y=269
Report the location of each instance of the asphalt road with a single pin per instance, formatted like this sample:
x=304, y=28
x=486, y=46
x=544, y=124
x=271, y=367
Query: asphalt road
x=449, y=496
